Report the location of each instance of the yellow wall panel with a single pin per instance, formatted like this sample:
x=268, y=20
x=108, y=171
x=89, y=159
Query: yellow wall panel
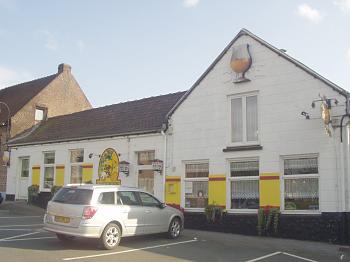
x=270, y=192
x=59, y=180
x=173, y=190
x=217, y=190
x=36, y=175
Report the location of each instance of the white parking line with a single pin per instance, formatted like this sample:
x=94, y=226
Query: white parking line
x=28, y=234
x=21, y=217
x=302, y=258
x=15, y=229
x=130, y=250
x=282, y=253
x=24, y=239
x=28, y=225
x=266, y=256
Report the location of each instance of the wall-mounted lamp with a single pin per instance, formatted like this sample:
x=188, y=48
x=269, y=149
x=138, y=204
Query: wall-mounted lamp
x=157, y=165
x=92, y=154
x=307, y=115
x=6, y=158
x=124, y=167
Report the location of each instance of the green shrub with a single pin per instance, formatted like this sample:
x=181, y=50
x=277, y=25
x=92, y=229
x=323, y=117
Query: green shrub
x=33, y=192
x=214, y=213
x=268, y=217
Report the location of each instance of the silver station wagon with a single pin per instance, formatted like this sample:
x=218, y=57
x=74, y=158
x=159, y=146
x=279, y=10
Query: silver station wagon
x=109, y=213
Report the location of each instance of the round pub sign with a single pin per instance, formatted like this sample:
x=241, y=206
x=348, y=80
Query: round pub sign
x=108, y=168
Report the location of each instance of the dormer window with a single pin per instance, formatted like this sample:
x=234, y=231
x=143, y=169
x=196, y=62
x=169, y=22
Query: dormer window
x=40, y=114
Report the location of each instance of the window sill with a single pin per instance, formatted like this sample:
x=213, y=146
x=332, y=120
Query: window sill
x=194, y=210
x=242, y=148
x=242, y=211
x=301, y=212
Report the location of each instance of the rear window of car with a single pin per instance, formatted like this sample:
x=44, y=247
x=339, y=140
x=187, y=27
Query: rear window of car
x=74, y=196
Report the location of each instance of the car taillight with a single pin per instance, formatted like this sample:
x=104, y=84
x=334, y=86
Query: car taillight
x=89, y=212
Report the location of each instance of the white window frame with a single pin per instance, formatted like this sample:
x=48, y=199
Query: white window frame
x=193, y=179
x=230, y=179
x=43, y=172
x=301, y=176
x=144, y=167
x=243, y=96
x=75, y=163
x=44, y=113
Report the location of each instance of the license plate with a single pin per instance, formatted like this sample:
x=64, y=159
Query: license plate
x=60, y=219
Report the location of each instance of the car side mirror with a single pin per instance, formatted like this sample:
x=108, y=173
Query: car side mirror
x=162, y=205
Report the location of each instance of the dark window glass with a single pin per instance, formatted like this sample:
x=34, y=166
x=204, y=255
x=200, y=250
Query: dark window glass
x=246, y=168
x=106, y=198
x=128, y=198
x=148, y=200
x=197, y=170
x=73, y=196
x=300, y=166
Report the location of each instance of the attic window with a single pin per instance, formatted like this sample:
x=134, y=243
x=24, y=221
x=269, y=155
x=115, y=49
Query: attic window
x=40, y=113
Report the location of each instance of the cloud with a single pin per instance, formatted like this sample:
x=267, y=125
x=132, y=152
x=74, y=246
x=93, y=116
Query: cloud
x=51, y=42
x=190, y=3
x=343, y=4
x=309, y=13
x=10, y=77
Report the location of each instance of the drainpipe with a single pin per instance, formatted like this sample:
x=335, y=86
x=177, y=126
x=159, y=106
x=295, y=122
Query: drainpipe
x=164, y=162
x=344, y=165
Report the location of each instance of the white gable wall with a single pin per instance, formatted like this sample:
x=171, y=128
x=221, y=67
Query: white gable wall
x=201, y=124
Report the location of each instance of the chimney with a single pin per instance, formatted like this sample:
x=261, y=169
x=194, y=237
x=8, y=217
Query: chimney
x=64, y=68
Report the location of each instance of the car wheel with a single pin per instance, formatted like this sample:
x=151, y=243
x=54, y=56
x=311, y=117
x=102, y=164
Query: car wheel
x=174, y=228
x=110, y=237
x=65, y=238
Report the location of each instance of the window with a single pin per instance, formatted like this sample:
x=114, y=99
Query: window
x=148, y=200
x=25, y=167
x=196, y=185
x=73, y=196
x=145, y=170
x=145, y=157
x=106, y=198
x=244, y=119
x=128, y=198
x=146, y=180
x=301, y=184
x=40, y=113
x=49, y=169
x=76, y=159
x=244, y=182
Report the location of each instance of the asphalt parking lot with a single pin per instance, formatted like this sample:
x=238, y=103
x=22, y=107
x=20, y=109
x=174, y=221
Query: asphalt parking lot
x=22, y=239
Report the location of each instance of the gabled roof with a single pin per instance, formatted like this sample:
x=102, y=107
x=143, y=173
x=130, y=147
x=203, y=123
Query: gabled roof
x=272, y=48
x=135, y=117
x=19, y=95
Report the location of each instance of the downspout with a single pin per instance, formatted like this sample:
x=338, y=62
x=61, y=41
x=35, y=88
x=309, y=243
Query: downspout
x=344, y=186
x=164, y=162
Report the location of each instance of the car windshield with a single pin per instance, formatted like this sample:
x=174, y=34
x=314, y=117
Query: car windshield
x=73, y=196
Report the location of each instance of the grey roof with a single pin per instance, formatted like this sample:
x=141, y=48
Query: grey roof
x=135, y=117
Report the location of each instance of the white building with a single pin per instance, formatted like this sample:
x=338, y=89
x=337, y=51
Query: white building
x=244, y=136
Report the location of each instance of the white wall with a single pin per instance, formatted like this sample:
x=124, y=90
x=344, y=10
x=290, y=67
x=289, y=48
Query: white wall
x=201, y=125
x=126, y=147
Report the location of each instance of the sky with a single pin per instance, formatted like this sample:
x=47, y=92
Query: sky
x=125, y=50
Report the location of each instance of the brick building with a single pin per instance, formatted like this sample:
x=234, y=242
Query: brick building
x=24, y=106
